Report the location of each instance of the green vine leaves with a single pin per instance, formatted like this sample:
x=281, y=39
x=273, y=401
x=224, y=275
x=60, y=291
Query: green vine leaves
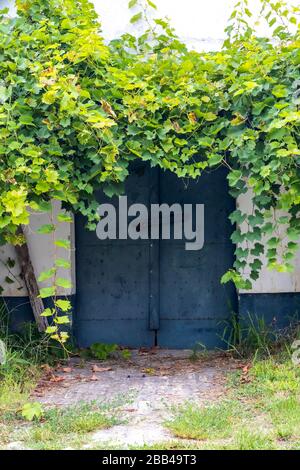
x=74, y=112
x=60, y=312
x=265, y=159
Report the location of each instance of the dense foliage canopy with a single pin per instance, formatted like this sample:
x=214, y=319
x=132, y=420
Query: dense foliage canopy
x=74, y=112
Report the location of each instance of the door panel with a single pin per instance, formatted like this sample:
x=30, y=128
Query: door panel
x=113, y=286
x=193, y=303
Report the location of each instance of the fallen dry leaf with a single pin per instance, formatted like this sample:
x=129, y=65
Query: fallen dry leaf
x=245, y=377
x=96, y=368
x=56, y=378
x=94, y=378
x=67, y=370
x=246, y=368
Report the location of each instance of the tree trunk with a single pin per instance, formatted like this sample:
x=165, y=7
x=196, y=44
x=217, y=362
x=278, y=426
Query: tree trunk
x=28, y=276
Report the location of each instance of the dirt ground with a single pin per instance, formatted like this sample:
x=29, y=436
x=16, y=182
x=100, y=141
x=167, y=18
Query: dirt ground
x=146, y=386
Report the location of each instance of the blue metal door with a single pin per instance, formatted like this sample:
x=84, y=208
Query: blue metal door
x=146, y=292
x=194, y=306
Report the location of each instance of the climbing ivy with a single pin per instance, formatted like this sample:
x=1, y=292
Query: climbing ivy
x=74, y=112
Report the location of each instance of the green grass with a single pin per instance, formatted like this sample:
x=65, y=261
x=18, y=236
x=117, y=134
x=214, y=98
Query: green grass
x=19, y=374
x=274, y=375
x=59, y=427
x=82, y=418
x=263, y=413
x=249, y=440
x=69, y=426
x=194, y=422
x=252, y=337
x=285, y=416
x=18, y=378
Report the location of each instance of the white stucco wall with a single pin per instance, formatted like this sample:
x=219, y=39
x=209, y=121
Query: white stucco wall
x=201, y=24
x=269, y=281
x=42, y=251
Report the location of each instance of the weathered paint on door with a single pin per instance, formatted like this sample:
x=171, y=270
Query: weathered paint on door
x=146, y=292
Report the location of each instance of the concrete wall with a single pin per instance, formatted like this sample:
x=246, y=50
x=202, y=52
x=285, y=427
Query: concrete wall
x=42, y=251
x=270, y=282
x=200, y=23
